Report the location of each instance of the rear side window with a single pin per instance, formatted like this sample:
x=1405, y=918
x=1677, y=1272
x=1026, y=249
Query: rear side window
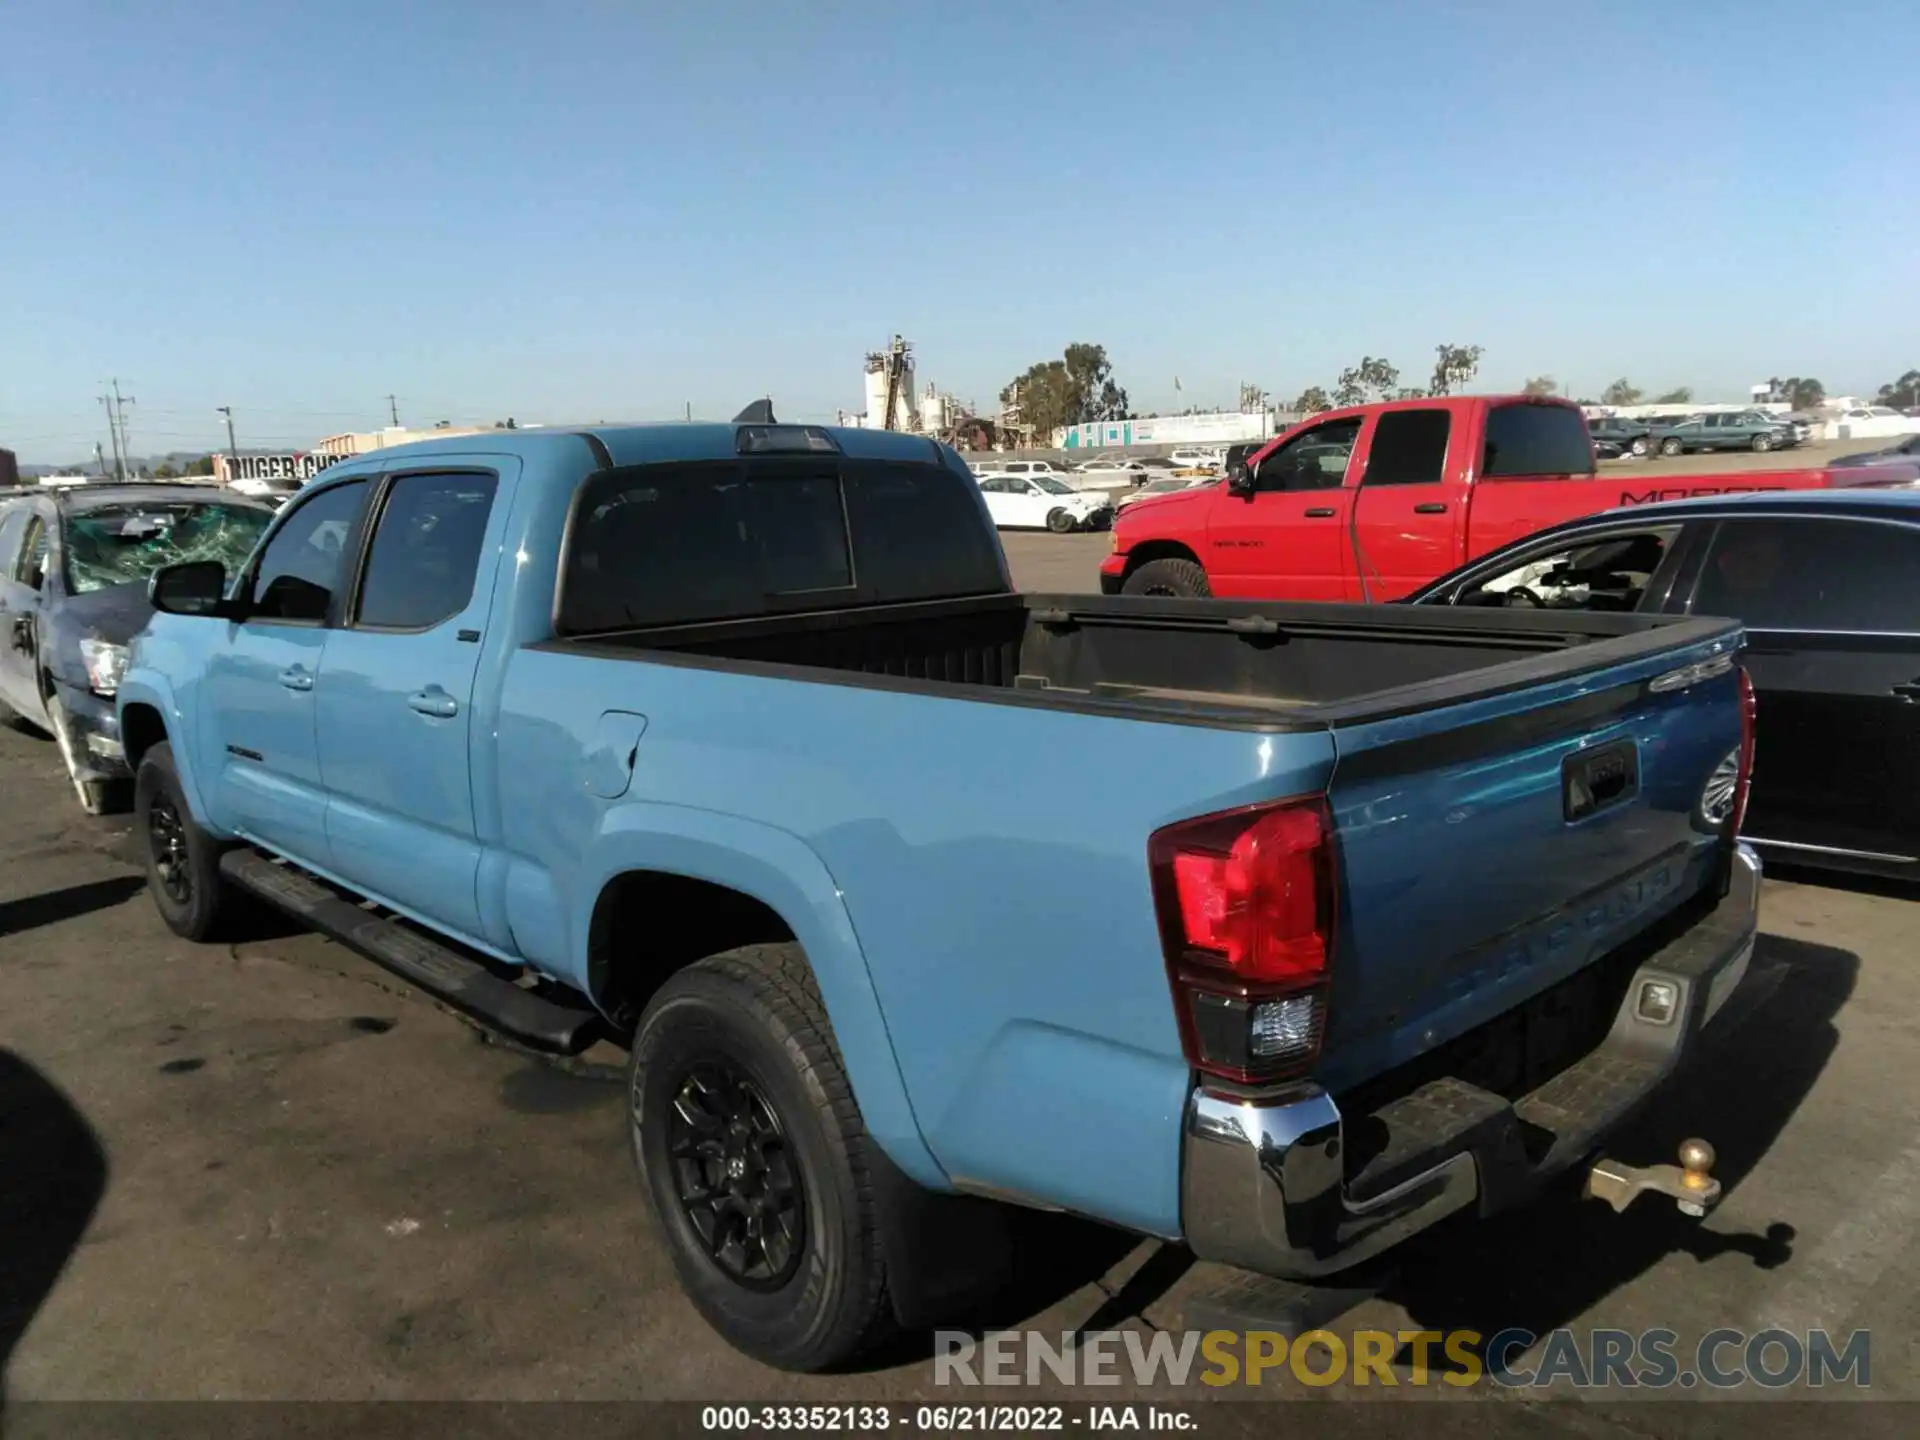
x=1536, y=440
x=681, y=544
x=1811, y=575
x=13, y=522
x=426, y=550
x=1409, y=448
x=32, y=569
x=303, y=563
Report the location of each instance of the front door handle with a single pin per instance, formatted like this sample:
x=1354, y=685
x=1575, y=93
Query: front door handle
x=1321, y=512
x=1432, y=507
x=1909, y=692
x=296, y=677
x=435, y=702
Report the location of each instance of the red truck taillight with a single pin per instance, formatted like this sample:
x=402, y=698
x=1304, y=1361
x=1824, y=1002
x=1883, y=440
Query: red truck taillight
x=1246, y=900
x=1743, y=776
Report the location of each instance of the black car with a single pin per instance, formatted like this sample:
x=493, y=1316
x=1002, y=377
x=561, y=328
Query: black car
x=74, y=564
x=1634, y=437
x=1827, y=582
x=1905, y=451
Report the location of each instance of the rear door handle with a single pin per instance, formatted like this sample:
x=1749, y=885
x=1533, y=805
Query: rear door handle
x=1321, y=512
x=435, y=702
x=1433, y=507
x=295, y=677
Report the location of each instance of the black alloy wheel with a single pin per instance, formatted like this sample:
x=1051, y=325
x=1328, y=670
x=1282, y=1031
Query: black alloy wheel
x=167, y=843
x=735, y=1175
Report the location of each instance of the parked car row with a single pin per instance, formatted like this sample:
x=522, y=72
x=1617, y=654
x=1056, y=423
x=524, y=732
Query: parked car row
x=1755, y=430
x=675, y=735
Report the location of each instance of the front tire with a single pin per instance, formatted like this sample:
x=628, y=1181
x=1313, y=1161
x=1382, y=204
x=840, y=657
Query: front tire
x=183, y=861
x=1672, y=447
x=1182, y=578
x=1762, y=444
x=755, y=1159
x=1641, y=446
x=1060, y=522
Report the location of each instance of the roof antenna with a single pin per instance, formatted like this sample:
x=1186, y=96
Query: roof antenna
x=760, y=412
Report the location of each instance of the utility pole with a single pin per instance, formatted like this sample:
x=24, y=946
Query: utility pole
x=120, y=403
x=113, y=436
x=393, y=407
x=233, y=451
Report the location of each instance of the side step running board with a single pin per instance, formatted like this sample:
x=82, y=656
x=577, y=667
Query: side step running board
x=536, y=1021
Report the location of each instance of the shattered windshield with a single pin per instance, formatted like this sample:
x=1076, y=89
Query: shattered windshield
x=125, y=544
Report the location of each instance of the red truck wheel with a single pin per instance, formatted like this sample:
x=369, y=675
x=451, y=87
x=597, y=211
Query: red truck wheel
x=1168, y=577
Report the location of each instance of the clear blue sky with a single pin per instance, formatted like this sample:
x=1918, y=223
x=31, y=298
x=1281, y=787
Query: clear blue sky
x=602, y=210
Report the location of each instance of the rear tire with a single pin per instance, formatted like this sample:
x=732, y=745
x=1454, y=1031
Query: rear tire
x=1169, y=577
x=756, y=1162
x=183, y=861
x=1672, y=447
x=1060, y=522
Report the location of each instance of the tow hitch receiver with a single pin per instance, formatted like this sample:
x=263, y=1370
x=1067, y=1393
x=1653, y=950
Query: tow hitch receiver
x=1690, y=1183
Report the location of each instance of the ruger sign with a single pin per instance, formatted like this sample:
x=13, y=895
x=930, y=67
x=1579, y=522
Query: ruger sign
x=272, y=467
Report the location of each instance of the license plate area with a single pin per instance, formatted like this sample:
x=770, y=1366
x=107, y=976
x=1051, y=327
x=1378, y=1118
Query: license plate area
x=1596, y=780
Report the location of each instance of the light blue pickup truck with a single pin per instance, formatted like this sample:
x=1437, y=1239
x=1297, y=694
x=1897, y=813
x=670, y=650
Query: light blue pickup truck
x=1280, y=931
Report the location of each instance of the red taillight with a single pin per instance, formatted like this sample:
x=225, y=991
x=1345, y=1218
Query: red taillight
x=1743, y=777
x=1246, y=901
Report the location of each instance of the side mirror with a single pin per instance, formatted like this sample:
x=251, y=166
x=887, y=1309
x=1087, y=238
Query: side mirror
x=193, y=587
x=1239, y=479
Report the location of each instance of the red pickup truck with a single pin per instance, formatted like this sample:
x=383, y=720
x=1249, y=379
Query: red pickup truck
x=1372, y=502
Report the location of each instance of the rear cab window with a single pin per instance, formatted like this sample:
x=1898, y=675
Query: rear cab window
x=1536, y=441
x=679, y=544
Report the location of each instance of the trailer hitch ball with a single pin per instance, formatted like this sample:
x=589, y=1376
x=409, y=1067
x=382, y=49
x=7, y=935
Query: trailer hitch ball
x=1690, y=1184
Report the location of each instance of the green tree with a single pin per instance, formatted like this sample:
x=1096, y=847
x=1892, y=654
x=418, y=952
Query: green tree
x=1312, y=401
x=1802, y=393
x=202, y=466
x=1454, y=366
x=1679, y=395
x=1073, y=390
x=1370, y=380
x=1621, y=392
x=164, y=471
x=1902, y=392
x=1541, y=385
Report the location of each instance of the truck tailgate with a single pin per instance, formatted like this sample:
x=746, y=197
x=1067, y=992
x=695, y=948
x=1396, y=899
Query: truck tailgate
x=1492, y=847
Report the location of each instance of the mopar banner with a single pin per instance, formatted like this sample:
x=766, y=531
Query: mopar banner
x=227, y=468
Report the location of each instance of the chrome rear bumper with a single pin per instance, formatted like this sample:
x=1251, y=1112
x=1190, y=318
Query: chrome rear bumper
x=1264, y=1183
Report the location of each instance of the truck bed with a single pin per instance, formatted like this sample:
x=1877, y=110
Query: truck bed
x=1213, y=662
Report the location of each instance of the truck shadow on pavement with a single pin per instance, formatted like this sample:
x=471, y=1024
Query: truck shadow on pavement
x=53, y=1172
x=1535, y=1268
x=52, y=906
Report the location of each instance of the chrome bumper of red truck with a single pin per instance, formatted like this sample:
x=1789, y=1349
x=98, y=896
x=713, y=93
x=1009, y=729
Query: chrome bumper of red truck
x=1265, y=1184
